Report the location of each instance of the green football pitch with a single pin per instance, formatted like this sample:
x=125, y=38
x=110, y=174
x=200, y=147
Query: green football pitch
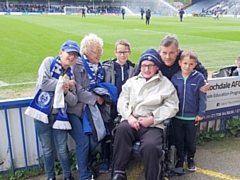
x=26, y=40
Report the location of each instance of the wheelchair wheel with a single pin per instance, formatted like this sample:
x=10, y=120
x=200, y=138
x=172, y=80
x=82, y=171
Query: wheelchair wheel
x=172, y=156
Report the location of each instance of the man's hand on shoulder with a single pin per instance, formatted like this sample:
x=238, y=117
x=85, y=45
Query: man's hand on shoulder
x=205, y=87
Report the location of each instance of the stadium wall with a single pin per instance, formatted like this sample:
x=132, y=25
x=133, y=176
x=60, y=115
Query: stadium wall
x=20, y=147
x=34, y=13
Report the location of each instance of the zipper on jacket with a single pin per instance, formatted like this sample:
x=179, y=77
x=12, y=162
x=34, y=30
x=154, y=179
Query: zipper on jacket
x=184, y=95
x=122, y=69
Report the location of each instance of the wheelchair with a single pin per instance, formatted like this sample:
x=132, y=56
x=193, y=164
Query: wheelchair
x=169, y=153
x=224, y=72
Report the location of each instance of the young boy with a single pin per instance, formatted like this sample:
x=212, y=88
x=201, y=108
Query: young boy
x=192, y=106
x=236, y=72
x=117, y=71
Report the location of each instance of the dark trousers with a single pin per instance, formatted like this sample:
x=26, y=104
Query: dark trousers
x=185, y=133
x=151, y=140
x=181, y=16
x=147, y=20
x=106, y=150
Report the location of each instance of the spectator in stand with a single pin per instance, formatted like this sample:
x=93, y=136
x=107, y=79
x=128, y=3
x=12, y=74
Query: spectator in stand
x=192, y=107
x=117, y=71
x=123, y=13
x=181, y=12
x=142, y=12
x=148, y=16
x=236, y=72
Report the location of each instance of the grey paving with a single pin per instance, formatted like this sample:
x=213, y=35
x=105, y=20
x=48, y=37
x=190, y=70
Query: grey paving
x=215, y=160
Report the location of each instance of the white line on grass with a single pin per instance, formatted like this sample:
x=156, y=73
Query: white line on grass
x=15, y=84
x=161, y=32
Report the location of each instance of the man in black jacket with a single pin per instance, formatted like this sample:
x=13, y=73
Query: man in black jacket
x=169, y=56
x=148, y=16
x=142, y=12
x=123, y=13
x=181, y=12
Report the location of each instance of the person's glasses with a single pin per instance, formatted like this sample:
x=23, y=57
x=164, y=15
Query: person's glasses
x=97, y=52
x=150, y=66
x=122, y=52
x=75, y=54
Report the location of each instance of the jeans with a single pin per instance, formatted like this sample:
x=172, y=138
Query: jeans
x=84, y=146
x=48, y=137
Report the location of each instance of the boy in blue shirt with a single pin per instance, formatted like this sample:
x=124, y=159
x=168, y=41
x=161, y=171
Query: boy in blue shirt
x=192, y=106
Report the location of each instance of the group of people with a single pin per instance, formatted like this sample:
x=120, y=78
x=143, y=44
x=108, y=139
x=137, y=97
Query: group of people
x=147, y=15
x=166, y=83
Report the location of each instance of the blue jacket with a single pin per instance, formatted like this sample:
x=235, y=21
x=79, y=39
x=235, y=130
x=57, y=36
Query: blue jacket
x=93, y=116
x=192, y=102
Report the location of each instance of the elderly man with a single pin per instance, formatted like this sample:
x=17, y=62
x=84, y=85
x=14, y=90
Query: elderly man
x=145, y=102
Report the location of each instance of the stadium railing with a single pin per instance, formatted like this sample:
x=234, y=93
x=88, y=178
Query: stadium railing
x=20, y=147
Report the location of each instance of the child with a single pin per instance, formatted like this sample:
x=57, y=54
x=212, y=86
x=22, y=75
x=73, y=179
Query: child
x=192, y=106
x=117, y=71
x=236, y=72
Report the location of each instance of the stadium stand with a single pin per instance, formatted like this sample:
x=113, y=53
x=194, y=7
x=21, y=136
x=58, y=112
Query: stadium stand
x=159, y=7
x=200, y=5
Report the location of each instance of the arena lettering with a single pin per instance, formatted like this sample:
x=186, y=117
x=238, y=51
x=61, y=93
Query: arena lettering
x=235, y=84
x=220, y=86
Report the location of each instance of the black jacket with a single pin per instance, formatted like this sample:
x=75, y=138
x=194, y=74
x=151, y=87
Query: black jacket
x=168, y=71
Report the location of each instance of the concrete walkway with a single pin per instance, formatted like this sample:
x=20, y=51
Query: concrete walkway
x=215, y=161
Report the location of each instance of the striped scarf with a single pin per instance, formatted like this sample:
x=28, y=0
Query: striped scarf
x=40, y=107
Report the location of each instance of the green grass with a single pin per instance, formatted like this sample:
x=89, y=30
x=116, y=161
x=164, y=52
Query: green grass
x=27, y=40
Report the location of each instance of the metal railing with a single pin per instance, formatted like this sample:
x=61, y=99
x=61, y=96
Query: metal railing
x=19, y=145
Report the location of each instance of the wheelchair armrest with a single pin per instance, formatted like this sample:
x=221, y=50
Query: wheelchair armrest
x=167, y=122
x=117, y=119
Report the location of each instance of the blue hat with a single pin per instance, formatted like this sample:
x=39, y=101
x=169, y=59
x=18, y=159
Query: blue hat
x=71, y=46
x=150, y=55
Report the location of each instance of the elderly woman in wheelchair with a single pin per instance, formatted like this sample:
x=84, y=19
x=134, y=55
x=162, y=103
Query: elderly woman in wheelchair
x=145, y=102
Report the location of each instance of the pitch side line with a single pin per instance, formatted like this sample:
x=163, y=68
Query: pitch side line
x=2, y=84
x=216, y=174
x=162, y=32
x=136, y=171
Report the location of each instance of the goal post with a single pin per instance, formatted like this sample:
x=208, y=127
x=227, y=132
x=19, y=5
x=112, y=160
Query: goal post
x=74, y=10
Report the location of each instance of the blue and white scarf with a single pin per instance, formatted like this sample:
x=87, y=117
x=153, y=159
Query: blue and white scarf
x=94, y=78
x=40, y=107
